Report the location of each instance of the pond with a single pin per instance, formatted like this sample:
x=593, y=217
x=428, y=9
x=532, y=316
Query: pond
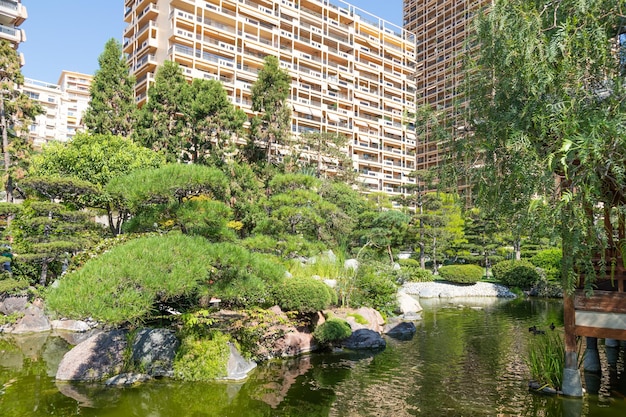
x=466, y=359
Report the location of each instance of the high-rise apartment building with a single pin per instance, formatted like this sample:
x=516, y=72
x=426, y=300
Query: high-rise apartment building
x=442, y=29
x=352, y=72
x=12, y=15
x=63, y=107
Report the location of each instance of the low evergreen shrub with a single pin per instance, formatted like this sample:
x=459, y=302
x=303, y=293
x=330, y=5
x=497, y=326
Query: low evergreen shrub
x=513, y=273
x=413, y=272
x=304, y=295
x=549, y=260
x=332, y=330
x=461, y=274
x=202, y=359
x=11, y=285
x=374, y=286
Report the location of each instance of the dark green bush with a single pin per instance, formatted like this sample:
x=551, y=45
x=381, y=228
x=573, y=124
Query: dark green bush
x=514, y=273
x=332, y=330
x=202, y=359
x=550, y=261
x=461, y=274
x=374, y=286
x=11, y=285
x=412, y=272
x=304, y=295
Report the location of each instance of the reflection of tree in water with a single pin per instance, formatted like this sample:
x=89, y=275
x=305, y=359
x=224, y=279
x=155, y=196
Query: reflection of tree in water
x=26, y=388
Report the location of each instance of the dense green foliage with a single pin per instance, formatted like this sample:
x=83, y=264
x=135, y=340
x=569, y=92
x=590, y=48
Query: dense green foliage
x=410, y=270
x=521, y=274
x=112, y=107
x=549, y=260
x=10, y=285
x=374, y=286
x=202, y=359
x=461, y=274
x=304, y=295
x=130, y=281
x=332, y=330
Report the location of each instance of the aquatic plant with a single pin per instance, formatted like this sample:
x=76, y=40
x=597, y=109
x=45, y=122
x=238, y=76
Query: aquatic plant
x=546, y=358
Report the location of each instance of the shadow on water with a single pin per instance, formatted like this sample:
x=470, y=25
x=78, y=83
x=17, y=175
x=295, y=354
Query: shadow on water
x=466, y=359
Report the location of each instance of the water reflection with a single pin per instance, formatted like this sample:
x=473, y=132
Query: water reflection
x=466, y=359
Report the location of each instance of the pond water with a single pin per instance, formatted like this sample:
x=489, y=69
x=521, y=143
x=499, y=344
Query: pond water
x=464, y=360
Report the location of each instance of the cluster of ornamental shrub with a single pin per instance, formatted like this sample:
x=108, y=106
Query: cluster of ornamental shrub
x=304, y=295
x=332, y=330
x=411, y=271
x=461, y=274
x=514, y=273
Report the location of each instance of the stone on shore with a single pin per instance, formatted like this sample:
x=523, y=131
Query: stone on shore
x=238, y=367
x=364, y=339
x=34, y=321
x=154, y=351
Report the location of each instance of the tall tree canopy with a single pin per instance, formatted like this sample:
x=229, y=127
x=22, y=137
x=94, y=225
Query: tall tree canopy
x=269, y=97
x=547, y=114
x=112, y=107
x=16, y=110
x=161, y=123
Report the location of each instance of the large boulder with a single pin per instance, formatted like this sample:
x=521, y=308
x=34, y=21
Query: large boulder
x=154, y=351
x=361, y=318
x=97, y=358
x=400, y=329
x=10, y=305
x=364, y=339
x=407, y=304
x=33, y=321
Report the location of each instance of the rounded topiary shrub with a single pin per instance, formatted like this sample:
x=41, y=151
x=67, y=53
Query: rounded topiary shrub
x=304, y=295
x=549, y=260
x=332, y=330
x=512, y=273
x=461, y=274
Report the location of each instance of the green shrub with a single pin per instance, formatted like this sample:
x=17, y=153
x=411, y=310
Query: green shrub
x=11, y=285
x=549, y=260
x=461, y=274
x=514, y=273
x=126, y=283
x=413, y=272
x=202, y=359
x=332, y=330
x=304, y=295
x=374, y=286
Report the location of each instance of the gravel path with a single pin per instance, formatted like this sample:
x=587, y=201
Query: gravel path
x=447, y=290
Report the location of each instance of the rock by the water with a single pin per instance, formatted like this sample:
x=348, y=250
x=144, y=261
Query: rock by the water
x=10, y=305
x=407, y=303
x=154, y=351
x=34, y=321
x=238, y=367
x=95, y=359
x=364, y=339
x=436, y=289
x=400, y=328
x=373, y=319
x=126, y=379
x=70, y=325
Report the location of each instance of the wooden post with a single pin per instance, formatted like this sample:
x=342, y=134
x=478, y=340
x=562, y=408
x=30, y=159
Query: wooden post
x=572, y=384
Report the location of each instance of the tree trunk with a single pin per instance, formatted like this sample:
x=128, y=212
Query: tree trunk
x=435, y=269
x=43, y=278
x=517, y=247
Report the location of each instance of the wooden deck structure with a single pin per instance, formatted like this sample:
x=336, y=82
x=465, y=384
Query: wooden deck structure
x=602, y=314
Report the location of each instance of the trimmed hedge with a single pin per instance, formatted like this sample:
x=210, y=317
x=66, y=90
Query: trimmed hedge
x=550, y=261
x=332, y=330
x=512, y=273
x=461, y=274
x=304, y=295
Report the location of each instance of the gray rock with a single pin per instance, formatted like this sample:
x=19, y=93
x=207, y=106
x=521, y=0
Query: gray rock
x=75, y=338
x=288, y=274
x=70, y=325
x=330, y=256
x=407, y=303
x=238, y=367
x=126, y=379
x=10, y=305
x=429, y=292
x=95, y=359
x=364, y=339
x=34, y=321
x=351, y=264
x=154, y=351
x=332, y=283
x=400, y=328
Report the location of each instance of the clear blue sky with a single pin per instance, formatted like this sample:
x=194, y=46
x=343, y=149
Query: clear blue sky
x=70, y=34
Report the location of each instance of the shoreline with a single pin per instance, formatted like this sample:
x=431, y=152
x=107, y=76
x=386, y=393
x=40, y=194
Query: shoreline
x=436, y=289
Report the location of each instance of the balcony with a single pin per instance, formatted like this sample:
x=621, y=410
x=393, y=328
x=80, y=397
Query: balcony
x=12, y=34
x=15, y=11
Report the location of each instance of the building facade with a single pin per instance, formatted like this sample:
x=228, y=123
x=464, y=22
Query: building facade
x=352, y=72
x=442, y=29
x=12, y=14
x=63, y=107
